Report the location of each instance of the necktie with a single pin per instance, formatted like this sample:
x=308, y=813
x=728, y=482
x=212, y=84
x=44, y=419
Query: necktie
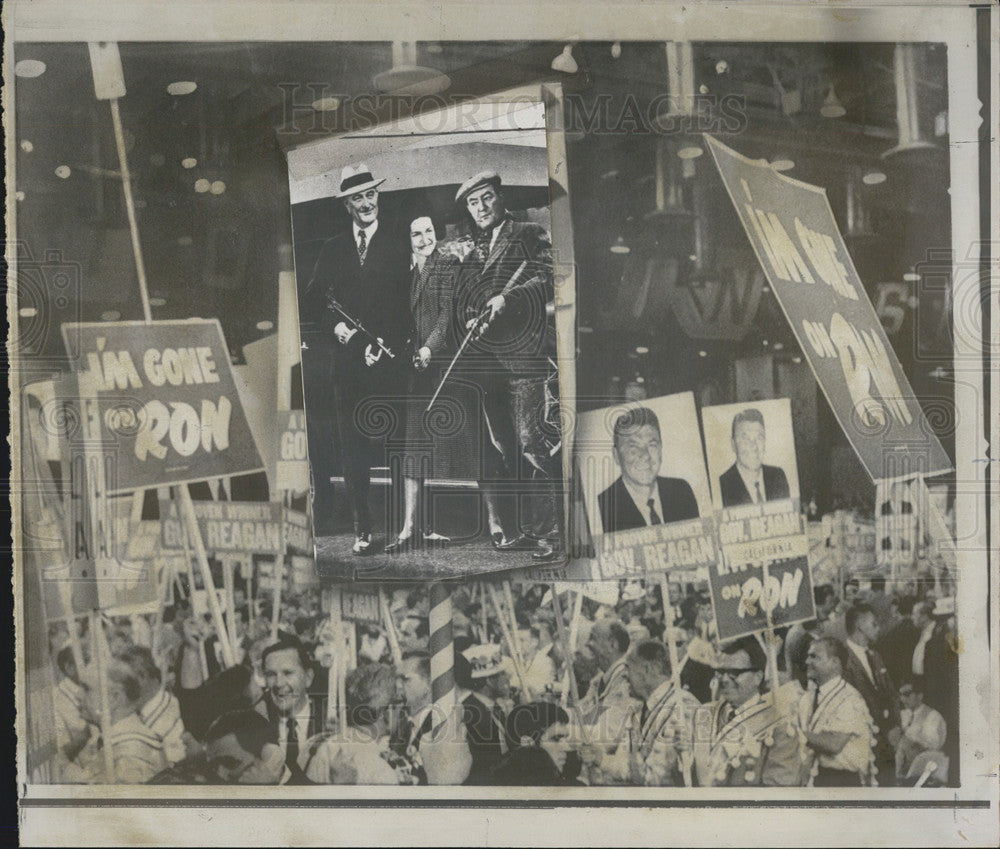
x=482, y=248
x=292, y=740
x=725, y=716
x=870, y=657
x=362, y=246
x=760, y=495
x=654, y=517
x=643, y=715
x=498, y=719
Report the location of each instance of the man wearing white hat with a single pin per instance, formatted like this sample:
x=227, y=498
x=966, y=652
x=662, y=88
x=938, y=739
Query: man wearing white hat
x=506, y=283
x=483, y=716
x=365, y=269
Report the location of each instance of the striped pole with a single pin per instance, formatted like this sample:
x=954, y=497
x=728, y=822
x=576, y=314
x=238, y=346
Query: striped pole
x=442, y=651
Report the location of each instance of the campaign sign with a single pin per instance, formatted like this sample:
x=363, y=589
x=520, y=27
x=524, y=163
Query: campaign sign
x=358, y=606
x=762, y=575
x=641, y=469
x=793, y=232
x=292, y=465
x=229, y=527
x=298, y=539
x=749, y=597
x=659, y=548
x=163, y=393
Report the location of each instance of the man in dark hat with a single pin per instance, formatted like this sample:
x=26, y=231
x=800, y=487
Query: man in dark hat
x=366, y=270
x=506, y=284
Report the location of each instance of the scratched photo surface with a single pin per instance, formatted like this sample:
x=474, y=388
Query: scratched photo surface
x=223, y=607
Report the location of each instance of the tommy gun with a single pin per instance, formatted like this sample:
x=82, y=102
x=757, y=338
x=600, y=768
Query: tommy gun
x=473, y=328
x=333, y=304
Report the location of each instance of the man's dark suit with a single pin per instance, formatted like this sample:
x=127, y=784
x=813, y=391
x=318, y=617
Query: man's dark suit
x=619, y=513
x=377, y=295
x=513, y=363
x=880, y=696
x=734, y=491
x=896, y=645
x=484, y=734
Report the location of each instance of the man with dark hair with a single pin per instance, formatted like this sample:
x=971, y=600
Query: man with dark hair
x=641, y=496
x=365, y=270
x=921, y=729
x=834, y=720
x=72, y=730
x=742, y=738
x=506, y=284
x=896, y=644
x=663, y=720
x=749, y=480
x=801, y=634
x=288, y=674
x=866, y=672
x=241, y=748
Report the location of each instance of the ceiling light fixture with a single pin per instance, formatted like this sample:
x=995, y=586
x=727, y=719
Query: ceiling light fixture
x=326, y=104
x=29, y=68
x=181, y=87
x=27, y=146
x=265, y=325
x=616, y=50
x=564, y=62
x=63, y=172
x=157, y=302
x=217, y=187
x=782, y=163
x=202, y=185
x=407, y=77
x=28, y=312
x=873, y=178
x=189, y=162
x=619, y=247
x=832, y=107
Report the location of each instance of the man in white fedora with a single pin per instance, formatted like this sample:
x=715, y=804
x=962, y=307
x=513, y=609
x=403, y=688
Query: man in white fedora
x=365, y=269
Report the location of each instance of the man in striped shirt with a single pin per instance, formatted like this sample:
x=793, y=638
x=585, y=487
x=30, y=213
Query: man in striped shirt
x=160, y=711
x=743, y=738
x=136, y=751
x=665, y=715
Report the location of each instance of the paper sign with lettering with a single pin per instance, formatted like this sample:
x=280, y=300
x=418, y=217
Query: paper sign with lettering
x=763, y=563
x=793, y=232
x=292, y=466
x=163, y=394
x=359, y=606
x=231, y=526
